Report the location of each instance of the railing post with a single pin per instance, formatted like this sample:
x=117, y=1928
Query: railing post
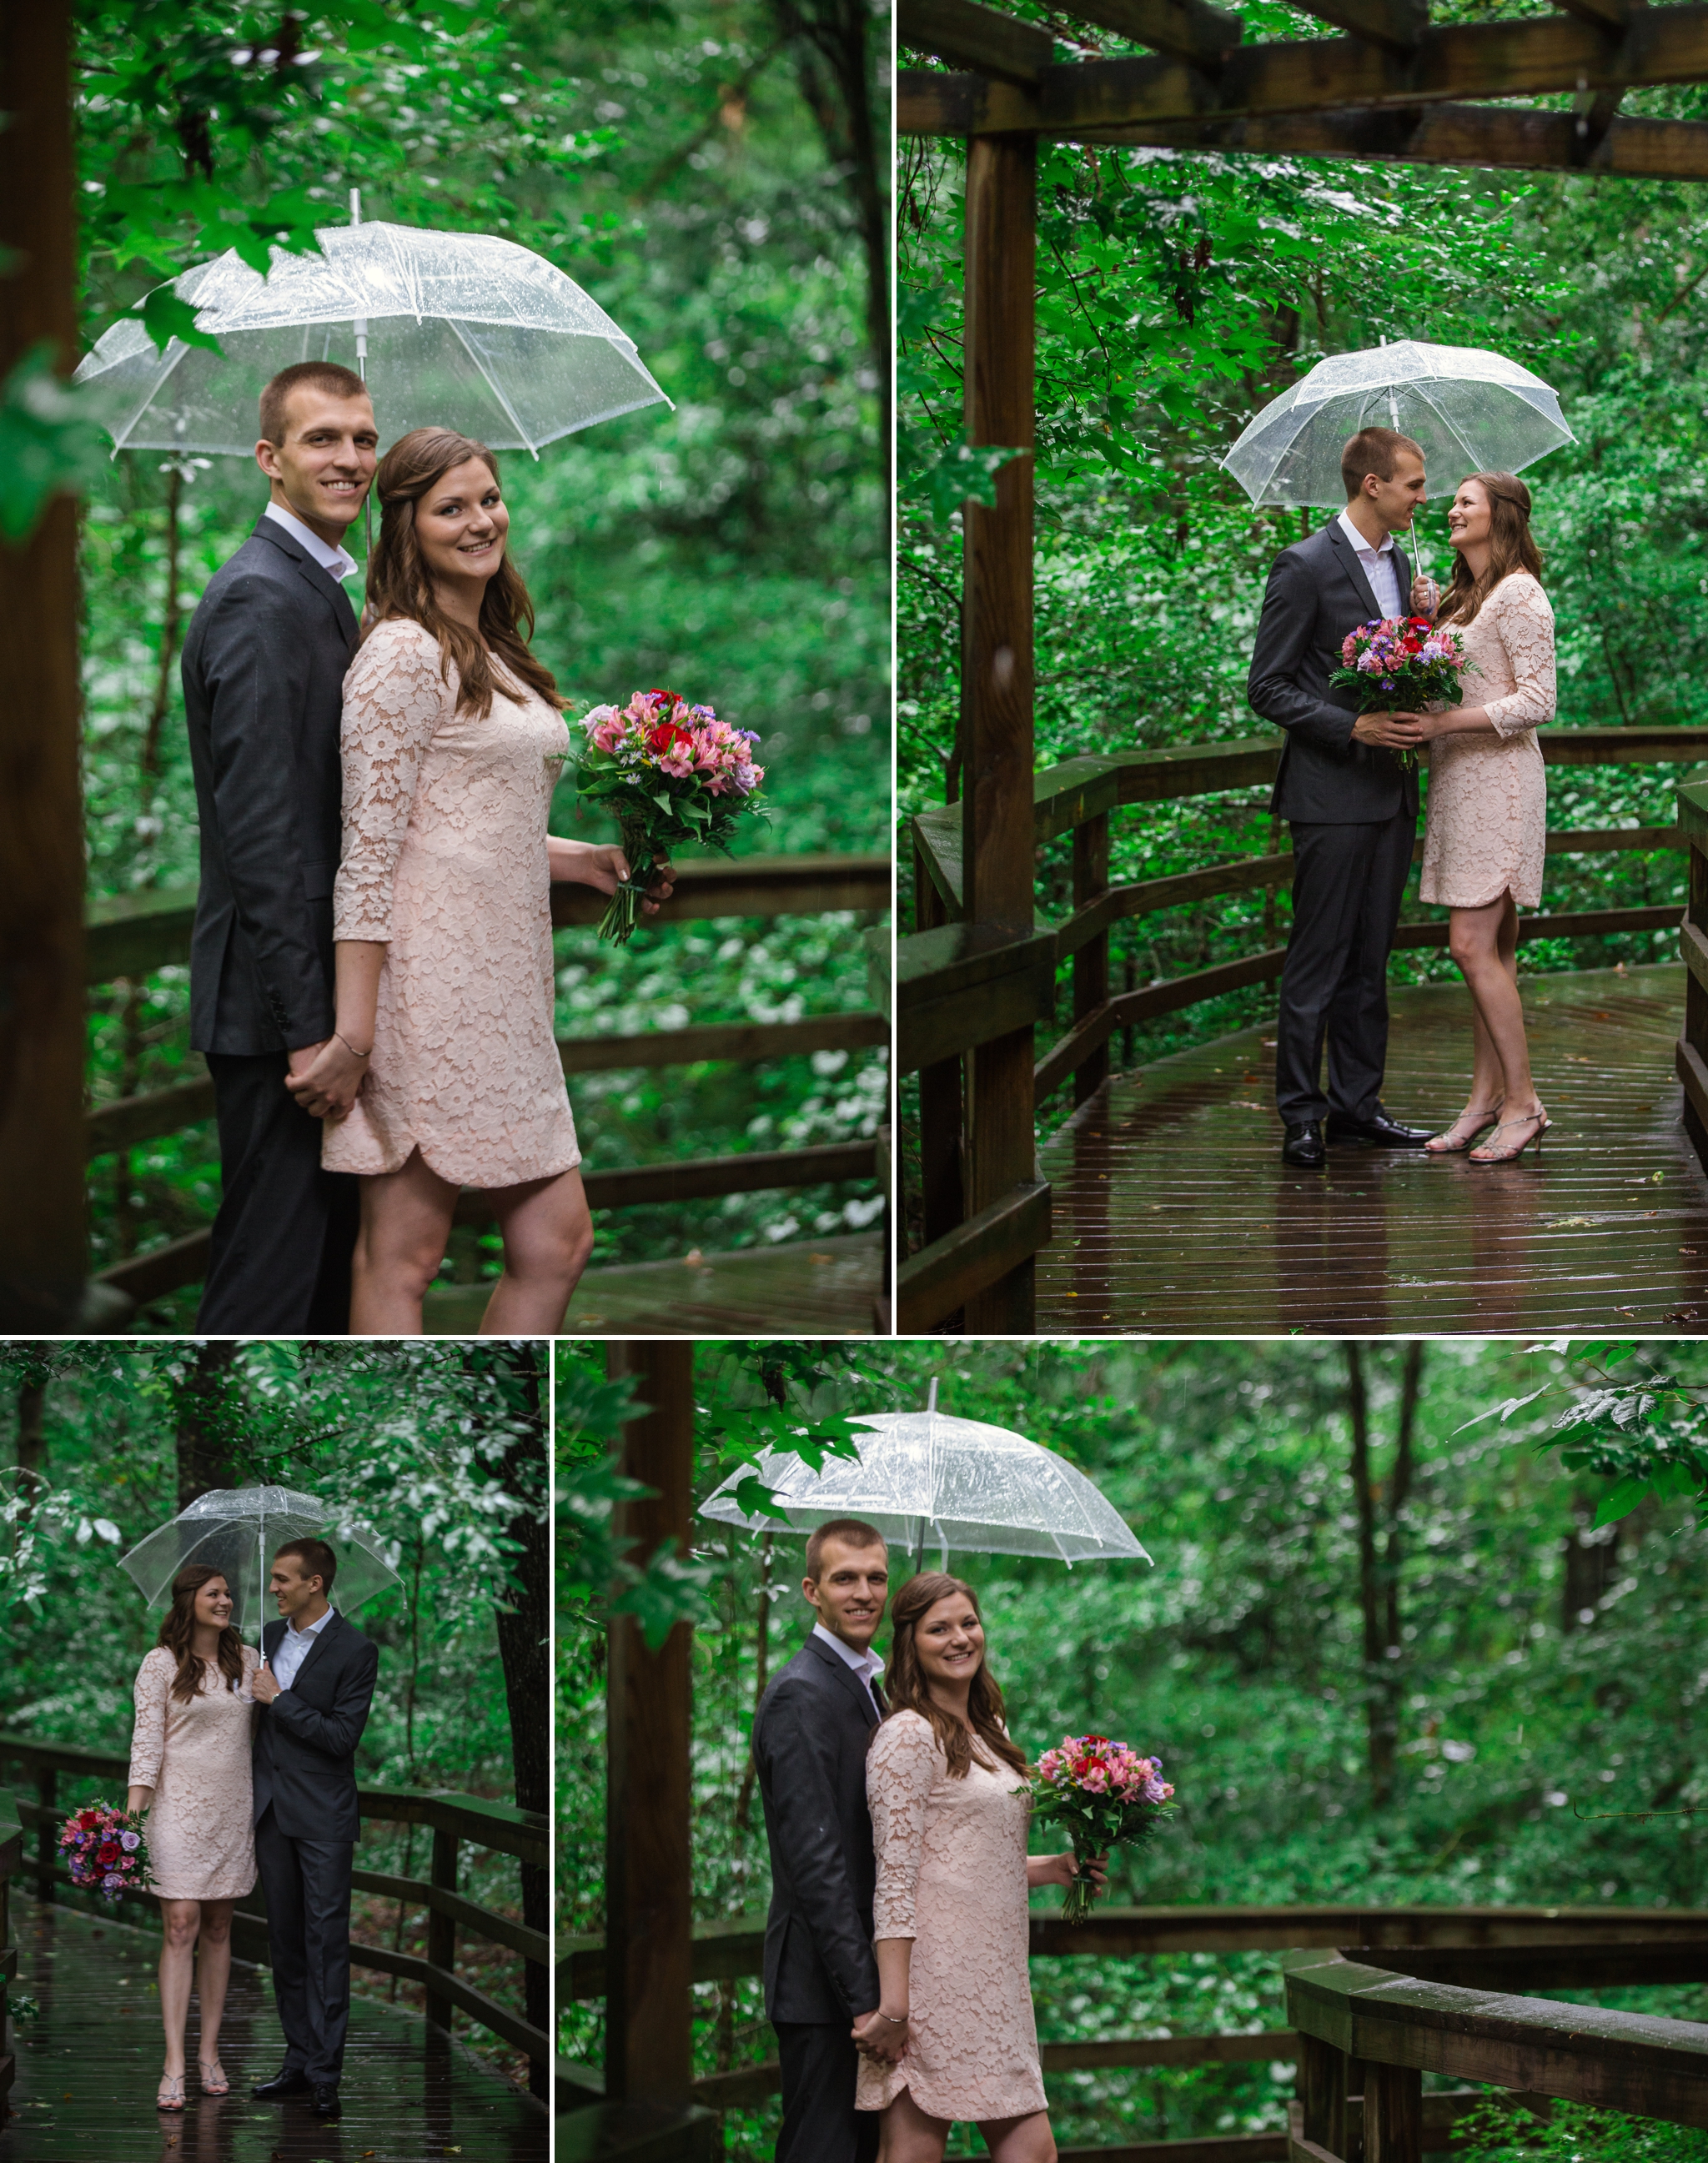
x=941, y=1137
x=1090, y=963
x=1695, y=1030
x=1393, y=2115
x=47, y=1789
x=1322, y=2093
x=441, y=1930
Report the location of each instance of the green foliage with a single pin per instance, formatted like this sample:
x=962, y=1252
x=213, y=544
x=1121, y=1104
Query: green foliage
x=1573, y=2133
x=49, y=446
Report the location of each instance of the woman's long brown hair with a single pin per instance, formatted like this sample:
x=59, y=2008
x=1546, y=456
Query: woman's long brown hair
x=1511, y=548
x=178, y=1634
x=399, y=586
x=904, y=1681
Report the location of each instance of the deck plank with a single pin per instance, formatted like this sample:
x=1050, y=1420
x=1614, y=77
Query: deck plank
x=88, y=2067
x=1174, y=1214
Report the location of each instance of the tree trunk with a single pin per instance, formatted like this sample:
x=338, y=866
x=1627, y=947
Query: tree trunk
x=204, y=1402
x=1380, y=1742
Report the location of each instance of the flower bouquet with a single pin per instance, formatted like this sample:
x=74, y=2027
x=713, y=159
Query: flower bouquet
x=105, y=1850
x=1104, y=1795
x=671, y=772
x=1401, y=664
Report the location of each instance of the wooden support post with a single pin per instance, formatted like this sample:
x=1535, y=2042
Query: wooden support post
x=41, y=826
x=441, y=1930
x=649, y=1929
x=941, y=1137
x=1322, y=2093
x=996, y=669
x=47, y=1831
x=1393, y=2115
x=1090, y=964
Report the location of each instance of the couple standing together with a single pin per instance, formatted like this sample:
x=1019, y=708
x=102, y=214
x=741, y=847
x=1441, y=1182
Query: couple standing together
x=371, y=969
x=245, y=1761
x=896, y=1815
x=1348, y=786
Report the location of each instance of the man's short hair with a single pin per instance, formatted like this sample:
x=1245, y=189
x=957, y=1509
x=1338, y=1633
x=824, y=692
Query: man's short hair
x=852, y=1532
x=327, y=375
x=1372, y=451
x=317, y=1558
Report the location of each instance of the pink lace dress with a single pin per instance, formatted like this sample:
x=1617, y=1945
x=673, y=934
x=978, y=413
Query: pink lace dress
x=445, y=860
x=1485, y=831
x=952, y=1876
x=196, y=1757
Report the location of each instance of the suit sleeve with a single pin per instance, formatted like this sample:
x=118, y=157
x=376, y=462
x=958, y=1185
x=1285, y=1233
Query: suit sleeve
x=1284, y=632
x=336, y=1733
x=798, y=1757
x=255, y=671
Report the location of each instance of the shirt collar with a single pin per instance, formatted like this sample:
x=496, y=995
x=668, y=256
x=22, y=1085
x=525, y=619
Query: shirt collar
x=1364, y=547
x=314, y=1629
x=866, y=1663
x=338, y=561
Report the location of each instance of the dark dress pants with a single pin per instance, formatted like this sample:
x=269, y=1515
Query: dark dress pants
x=285, y=1231
x=820, y=2124
x=1347, y=881
x=307, y=1888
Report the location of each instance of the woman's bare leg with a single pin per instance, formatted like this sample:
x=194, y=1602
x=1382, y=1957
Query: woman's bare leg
x=213, y=1975
x=547, y=1242
x=910, y=2134
x=1020, y=2139
x=1485, y=944
x=406, y=1221
x=182, y=1921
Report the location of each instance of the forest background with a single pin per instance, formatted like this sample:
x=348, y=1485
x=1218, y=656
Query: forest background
x=709, y=170
x=98, y=1445
x=1307, y=1507
x=1177, y=294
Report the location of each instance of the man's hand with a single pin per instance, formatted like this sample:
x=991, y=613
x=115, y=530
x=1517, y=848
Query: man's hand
x=1426, y=596
x=1391, y=732
x=875, y=2037
x=326, y=1082
x=265, y=1686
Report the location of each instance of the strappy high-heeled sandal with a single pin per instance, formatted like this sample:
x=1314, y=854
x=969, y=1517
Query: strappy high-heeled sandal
x=1542, y=1123
x=212, y=2075
x=1480, y=1124
x=170, y=2095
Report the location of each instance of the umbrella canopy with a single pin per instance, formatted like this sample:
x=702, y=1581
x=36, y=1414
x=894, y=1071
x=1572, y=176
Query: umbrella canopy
x=956, y=1482
x=1472, y=412
x=462, y=330
x=239, y=1529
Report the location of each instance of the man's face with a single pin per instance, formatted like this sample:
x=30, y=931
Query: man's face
x=849, y=1593
x=292, y=1592
x=1397, y=500
x=324, y=467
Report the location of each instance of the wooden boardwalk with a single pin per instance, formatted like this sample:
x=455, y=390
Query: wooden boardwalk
x=88, y=2067
x=1174, y=1215
x=811, y=1288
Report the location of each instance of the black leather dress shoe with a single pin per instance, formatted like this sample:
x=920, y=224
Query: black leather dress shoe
x=324, y=2102
x=1303, y=1146
x=285, y=2083
x=1379, y=1133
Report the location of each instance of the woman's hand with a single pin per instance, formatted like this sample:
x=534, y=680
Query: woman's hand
x=881, y=2039
x=138, y=1799
x=326, y=1088
x=1063, y=1870
x=581, y=864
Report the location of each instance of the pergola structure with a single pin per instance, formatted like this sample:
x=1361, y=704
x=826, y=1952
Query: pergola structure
x=977, y=974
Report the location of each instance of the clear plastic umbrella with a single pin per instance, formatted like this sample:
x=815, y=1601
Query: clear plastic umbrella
x=1472, y=412
x=460, y=329
x=957, y=1482
x=239, y=1529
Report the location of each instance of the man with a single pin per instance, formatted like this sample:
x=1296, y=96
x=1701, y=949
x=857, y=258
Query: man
x=263, y=669
x=1351, y=804
x=314, y=1691
x=809, y=1738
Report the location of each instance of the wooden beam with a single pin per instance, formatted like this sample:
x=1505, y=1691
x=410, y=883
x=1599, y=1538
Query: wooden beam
x=1612, y=15
x=1185, y=30
x=753, y=886
x=955, y=1271
x=966, y=35
x=1396, y=25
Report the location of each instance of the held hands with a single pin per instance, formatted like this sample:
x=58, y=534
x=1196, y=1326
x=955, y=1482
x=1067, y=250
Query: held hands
x=1392, y=731
x=265, y=1686
x=878, y=2038
x=324, y=1078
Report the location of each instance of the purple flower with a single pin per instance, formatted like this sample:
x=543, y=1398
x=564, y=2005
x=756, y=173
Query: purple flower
x=130, y=1841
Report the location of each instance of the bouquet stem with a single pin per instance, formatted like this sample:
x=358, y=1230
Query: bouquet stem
x=1081, y=1897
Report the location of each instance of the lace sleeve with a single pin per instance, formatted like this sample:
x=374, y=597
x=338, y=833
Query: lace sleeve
x=900, y=1774
x=148, y=1733
x=394, y=701
x=1525, y=625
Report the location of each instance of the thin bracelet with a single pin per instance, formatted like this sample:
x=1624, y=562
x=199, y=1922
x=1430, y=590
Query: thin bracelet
x=891, y=2019
x=351, y=1048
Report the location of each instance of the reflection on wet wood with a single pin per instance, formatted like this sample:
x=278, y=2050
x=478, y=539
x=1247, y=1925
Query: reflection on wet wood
x=1173, y=1212
x=88, y=2071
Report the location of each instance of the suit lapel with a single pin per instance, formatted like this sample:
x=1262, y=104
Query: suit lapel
x=323, y=581
x=333, y=1625
x=1354, y=570
x=845, y=1675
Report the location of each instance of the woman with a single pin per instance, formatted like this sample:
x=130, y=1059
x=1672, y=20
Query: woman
x=190, y=1771
x=1484, y=837
x=442, y=1072
x=949, y=1816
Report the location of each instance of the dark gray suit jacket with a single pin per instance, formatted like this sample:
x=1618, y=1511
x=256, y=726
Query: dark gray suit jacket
x=1317, y=592
x=304, y=1754
x=264, y=685
x=809, y=1738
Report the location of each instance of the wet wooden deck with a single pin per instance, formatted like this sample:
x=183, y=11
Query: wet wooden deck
x=1173, y=1214
x=810, y=1288
x=88, y=2067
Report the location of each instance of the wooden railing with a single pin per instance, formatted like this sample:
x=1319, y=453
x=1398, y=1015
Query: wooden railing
x=1556, y=1948
x=961, y=986
x=1369, y=2033
x=135, y=934
x=11, y=1863
x=453, y=1819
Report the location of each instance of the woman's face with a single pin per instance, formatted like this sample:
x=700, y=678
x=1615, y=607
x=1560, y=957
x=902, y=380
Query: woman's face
x=949, y=1640
x=213, y=1603
x=1468, y=515
x=461, y=522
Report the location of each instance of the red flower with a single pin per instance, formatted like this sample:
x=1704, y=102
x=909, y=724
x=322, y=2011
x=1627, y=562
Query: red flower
x=108, y=1852
x=664, y=739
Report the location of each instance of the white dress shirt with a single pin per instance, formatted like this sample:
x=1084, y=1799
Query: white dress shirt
x=293, y=1648
x=1381, y=567
x=867, y=1665
x=338, y=561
